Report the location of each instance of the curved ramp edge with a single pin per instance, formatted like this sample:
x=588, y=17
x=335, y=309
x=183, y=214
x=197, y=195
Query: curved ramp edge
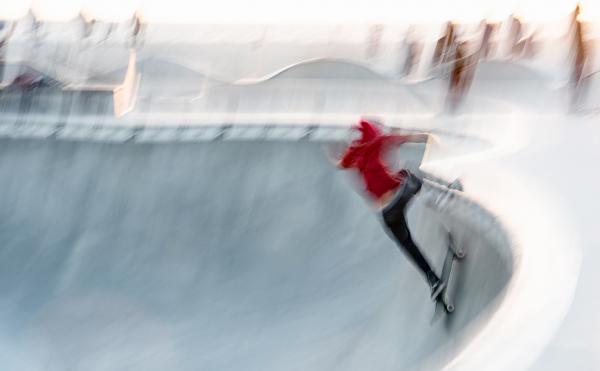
x=547, y=259
x=478, y=282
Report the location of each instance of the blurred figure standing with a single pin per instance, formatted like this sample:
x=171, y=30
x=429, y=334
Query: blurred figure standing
x=36, y=28
x=529, y=45
x=461, y=75
x=445, y=45
x=374, y=40
x=486, y=47
x=7, y=31
x=411, y=49
x=137, y=30
x=579, y=55
x=515, y=46
x=87, y=25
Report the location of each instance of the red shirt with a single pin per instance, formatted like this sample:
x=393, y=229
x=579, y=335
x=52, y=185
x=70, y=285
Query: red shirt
x=365, y=154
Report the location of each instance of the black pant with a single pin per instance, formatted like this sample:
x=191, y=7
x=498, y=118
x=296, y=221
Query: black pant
x=395, y=220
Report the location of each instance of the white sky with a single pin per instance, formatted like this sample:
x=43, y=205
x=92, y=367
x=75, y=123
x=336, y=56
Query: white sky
x=298, y=11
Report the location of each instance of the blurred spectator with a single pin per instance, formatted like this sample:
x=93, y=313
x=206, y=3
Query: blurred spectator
x=445, y=45
x=486, y=47
x=412, y=50
x=23, y=81
x=374, y=40
x=579, y=55
x=461, y=75
x=28, y=81
x=529, y=45
x=87, y=25
x=515, y=35
x=36, y=27
x=7, y=34
x=110, y=27
x=137, y=28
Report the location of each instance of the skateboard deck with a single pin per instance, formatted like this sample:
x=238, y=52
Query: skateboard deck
x=444, y=303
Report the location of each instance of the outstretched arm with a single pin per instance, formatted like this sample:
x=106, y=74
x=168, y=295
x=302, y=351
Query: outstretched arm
x=417, y=138
x=407, y=138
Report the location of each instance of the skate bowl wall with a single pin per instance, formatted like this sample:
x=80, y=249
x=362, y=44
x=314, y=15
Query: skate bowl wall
x=226, y=255
x=518, y=86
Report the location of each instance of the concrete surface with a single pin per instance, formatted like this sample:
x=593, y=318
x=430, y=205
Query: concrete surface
x=221, y=256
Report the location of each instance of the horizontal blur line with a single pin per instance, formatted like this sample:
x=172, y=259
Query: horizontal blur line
x=177, y=119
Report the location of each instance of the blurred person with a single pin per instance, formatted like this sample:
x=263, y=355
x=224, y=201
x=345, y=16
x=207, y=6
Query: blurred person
x=524, y=47
x=412, y=49
x=87, y=25
x=110, y=28
x=9, y=31
x=444, y=45
x=392, y=192
x=461, y=75
x=516, y=39
x=137, y=29
x=27, y=81
x=36, y=27
x=374, y=40
x=529, y=45
x=486, y=47
x=579, y=55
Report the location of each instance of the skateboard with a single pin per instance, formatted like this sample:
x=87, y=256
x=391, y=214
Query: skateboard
x=444, y=302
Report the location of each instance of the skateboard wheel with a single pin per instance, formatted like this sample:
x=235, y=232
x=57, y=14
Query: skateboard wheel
x=450, y=308
x=460, y=254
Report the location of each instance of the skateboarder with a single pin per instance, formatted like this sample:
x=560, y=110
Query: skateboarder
x=392, y=192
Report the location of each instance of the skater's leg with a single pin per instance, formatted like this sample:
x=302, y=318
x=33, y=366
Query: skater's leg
x=399, y=230
x=401, y=233
x=395, y=220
